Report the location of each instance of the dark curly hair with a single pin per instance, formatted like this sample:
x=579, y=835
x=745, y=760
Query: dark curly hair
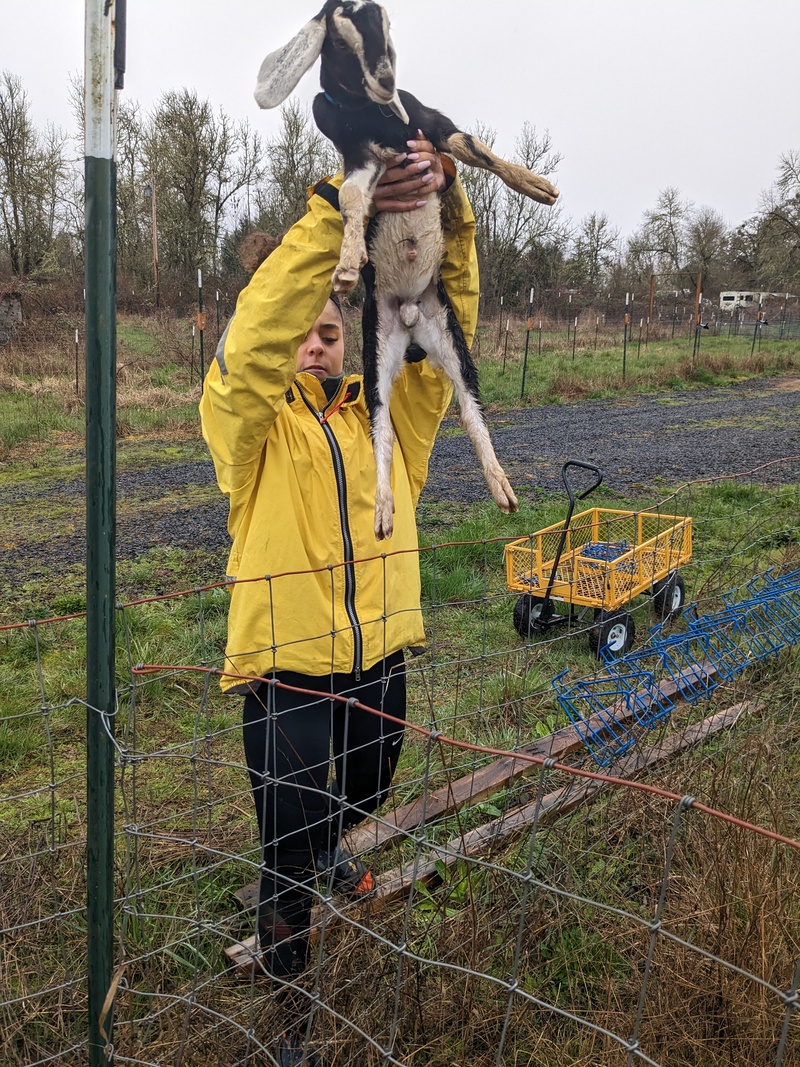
x=255, y=248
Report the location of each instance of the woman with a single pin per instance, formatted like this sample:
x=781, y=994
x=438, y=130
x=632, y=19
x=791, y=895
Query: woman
x=318, y=603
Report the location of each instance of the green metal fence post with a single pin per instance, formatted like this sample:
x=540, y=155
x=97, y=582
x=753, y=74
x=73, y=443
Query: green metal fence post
x=103, y=74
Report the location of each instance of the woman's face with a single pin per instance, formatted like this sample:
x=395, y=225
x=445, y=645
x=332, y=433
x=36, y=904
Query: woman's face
x=322, y=352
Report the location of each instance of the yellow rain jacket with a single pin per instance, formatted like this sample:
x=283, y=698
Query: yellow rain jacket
x=314, y=591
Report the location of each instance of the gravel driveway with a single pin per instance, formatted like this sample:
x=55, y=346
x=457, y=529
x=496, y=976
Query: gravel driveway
x=672, y=437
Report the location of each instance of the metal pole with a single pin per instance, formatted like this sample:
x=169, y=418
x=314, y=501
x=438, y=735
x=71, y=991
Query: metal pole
x=625, y=335
x=77, y=366
x=153, y=217
x=574, y=338
x=104, y=68
x=201, y=322
x=756, y=328
x=527, y=340
x=500, y=322
x=505, y=346
x=639, y=349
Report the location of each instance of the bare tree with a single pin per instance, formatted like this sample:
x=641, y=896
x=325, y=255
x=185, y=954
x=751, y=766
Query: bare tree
x=707, y=248
x=780, y=226
x=133, y=229
x=33, y=175
x=297, y=157
x=514, y=235
x=201, y=161
x=594, y=250
x=659, y=246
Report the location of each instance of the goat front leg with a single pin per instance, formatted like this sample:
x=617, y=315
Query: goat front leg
x=392, y=341
x=441, y=336
x=355, y=199
x=468, y=149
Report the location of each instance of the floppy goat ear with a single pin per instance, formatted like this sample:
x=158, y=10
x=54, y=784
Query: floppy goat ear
x=282, y=69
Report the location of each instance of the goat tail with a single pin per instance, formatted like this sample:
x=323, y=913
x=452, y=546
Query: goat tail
x=475, y=153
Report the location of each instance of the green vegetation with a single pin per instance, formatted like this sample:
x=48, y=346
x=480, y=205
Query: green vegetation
x=159, y=390
x=186, y=840
x=556, y=377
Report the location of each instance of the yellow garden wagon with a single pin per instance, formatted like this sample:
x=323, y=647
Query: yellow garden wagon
x=598, y=560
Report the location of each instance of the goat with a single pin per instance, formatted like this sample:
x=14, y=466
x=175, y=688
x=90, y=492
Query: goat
x=369, y=121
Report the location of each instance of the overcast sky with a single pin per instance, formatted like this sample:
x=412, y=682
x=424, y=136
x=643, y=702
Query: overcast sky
x=637, y=95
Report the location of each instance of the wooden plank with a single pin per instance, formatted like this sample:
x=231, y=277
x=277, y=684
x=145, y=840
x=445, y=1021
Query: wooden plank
x=479, y=784
x=393, y=884
x=396, y=884
x=489, y=779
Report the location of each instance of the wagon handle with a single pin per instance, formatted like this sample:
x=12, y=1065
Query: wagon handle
x=584, y=466
x=572, y=498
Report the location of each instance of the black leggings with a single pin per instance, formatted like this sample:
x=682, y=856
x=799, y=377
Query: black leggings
x=287, y=742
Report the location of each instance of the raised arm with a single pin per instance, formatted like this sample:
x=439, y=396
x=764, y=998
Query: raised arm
x=246, y=385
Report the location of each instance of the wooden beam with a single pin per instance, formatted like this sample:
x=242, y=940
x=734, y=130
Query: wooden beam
x=396, y=884
x=377, y=831
x=483, y=782
x=393, y=884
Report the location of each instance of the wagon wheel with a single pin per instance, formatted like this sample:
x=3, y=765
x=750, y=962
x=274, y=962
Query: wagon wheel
x=669, y=596
x=615, y=629
x=527, y=612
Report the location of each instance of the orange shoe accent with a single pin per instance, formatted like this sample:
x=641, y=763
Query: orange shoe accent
x=366, y=885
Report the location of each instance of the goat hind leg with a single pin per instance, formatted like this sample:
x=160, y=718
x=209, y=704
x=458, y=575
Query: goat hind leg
x=474, y=423
x=468, y=149
x=392, y=340
x=440, y=334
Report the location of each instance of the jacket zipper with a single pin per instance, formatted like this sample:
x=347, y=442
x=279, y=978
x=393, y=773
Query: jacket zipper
x=349, y=552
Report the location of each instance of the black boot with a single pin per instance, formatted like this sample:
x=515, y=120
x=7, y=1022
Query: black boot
x=294, y=1051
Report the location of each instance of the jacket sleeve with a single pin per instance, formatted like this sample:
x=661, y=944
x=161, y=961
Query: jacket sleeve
x=421, y=395
x=246, y=384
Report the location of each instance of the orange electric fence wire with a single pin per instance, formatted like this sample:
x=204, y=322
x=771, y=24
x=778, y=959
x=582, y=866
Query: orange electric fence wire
x=442, y=739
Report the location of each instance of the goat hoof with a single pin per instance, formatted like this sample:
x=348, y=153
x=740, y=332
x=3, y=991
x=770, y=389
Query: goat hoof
x=345, y=279
x=504, y=495
x=384, y=521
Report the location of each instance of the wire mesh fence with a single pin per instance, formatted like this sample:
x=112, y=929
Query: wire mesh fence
x=533, y=903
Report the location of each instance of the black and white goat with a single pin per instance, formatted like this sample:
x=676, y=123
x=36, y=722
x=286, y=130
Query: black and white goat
x=369, y=121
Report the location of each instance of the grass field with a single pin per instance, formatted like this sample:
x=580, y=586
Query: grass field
x=565, y=913
x=158, y=371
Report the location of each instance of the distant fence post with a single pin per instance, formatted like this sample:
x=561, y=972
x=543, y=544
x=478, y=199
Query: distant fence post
x=625, y=334
x=527, y=342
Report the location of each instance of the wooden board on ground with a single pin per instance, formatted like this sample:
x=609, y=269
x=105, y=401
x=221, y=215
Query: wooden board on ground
x=393, y=884
x=480, y=783
x=396, y=884
x=489, y=779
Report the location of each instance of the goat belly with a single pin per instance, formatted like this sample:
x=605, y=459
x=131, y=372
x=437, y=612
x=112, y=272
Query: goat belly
x=406, y=251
